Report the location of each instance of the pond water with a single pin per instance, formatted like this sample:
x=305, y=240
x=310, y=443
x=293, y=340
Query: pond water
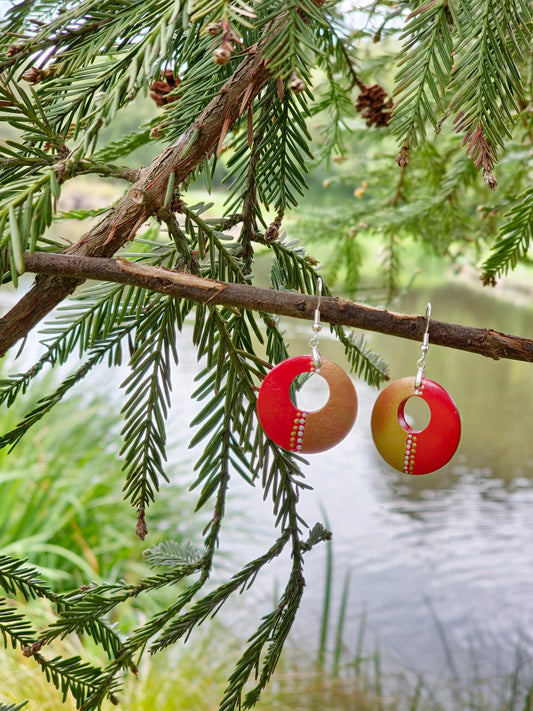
x=441, y=566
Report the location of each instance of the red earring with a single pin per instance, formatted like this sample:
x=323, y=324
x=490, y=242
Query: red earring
x=408, y=450
x=296, y=429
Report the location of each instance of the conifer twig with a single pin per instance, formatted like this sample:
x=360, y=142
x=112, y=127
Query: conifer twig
x=147, y=194
x=333, y=310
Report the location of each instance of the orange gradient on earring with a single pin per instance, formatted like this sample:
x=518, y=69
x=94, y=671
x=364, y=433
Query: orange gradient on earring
x=408, y=450
x=296, y=429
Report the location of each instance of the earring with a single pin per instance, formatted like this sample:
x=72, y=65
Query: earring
x=404, y=448
x=293, y=428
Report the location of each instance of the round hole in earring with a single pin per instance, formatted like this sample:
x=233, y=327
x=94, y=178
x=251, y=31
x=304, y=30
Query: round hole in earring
x=414, y=414
x=309, y=392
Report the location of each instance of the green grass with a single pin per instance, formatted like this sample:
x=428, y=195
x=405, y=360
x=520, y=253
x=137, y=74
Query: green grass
x=191, y=678
x=61, y=501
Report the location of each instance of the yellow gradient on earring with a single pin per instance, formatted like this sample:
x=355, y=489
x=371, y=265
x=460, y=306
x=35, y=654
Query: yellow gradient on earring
x=388, y=434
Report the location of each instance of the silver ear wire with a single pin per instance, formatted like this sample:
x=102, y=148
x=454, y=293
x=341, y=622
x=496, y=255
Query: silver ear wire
x=421, y=362
x=317, y=360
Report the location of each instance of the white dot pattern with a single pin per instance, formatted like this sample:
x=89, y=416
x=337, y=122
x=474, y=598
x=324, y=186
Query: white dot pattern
x=297, y=432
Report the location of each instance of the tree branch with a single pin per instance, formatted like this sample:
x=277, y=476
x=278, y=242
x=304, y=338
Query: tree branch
x=486, y=342
x=146, y=195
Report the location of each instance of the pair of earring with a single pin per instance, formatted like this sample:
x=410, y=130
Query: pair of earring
x=404, y=448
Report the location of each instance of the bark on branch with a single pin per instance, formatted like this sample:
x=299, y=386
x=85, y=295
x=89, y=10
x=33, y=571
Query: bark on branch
x=486, y=342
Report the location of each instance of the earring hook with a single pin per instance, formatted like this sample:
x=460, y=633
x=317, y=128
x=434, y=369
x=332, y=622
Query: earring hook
x=421, y=362
x=317, y=360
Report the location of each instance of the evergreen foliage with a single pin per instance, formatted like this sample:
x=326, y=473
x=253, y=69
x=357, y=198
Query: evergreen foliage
x=66, y=70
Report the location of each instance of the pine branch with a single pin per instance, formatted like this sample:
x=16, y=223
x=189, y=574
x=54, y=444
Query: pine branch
x=43, y=406
x=131, y=43
x=140, y=637
x=276, y=143
x=12, y=707
x=251, y=209
x=148, y=387
x=292, y=269
x=77, y=326
x=335, y=99
x=81, y=612
x=69, y=675
x=283, y=480
x=84, y=610
x=294, y=40
x=465, y=59
x=25, y=214
x=342, y=312
x=104, y=169
x=513, y=241
x=169, y=626
x=126, y=145
x=425, y=64
x=363, y=361
x=276, y=626
x=97, y=327
x=170, y=554
x=21, y=108
x=271, y=634
x=391, y=263
x=172, y=624
x=487, y=75
x=204, y=607
x=147, y=195
x=236, y=11
x=227, y=421
x=433, y=202
x=74, y=676
x=218, y=249
x=15, y=628
x=281, y=624
x=16, y=577
x=200, y=83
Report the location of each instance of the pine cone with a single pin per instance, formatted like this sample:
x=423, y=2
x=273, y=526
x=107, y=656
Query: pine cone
x=14, y=49
x=33, y=75
x=372, y=105
x=159, y=90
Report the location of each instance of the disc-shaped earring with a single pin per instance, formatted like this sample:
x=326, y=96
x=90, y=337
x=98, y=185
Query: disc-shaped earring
x=294, y=428
x=406, y=449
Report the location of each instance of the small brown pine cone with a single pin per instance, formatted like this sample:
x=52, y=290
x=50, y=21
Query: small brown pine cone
x=160, y=89
x=372, y=106
x=14, y=49
x=33, y=75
